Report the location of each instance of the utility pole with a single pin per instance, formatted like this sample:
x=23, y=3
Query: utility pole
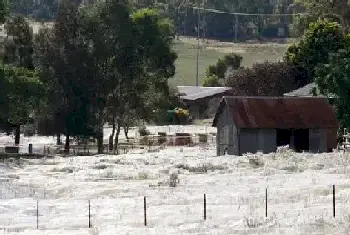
x=203, y=21
x=198, y=35
x=185, y=21
x=236, y=27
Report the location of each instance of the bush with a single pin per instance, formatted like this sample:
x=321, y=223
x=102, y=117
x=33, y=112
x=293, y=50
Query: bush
x=211, y=81
x=143, y=131
x=28, y=130
x=264, y=79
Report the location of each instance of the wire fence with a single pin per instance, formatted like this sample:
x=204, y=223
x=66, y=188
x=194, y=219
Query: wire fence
x=151, y=143
x=144, y=211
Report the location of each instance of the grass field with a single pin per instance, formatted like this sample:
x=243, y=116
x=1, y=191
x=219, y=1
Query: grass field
x=209, y=53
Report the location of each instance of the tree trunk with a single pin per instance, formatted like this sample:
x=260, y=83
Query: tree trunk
x=17, y=134
x=58, y=141
x=110, y=141
x=67, y=146
x=99, y=138
x=116, y=139
x=126, y=131
x=100, y=143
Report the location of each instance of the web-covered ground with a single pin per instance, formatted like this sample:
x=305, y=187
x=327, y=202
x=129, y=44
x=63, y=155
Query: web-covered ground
x=40, y=142
x=299, y=193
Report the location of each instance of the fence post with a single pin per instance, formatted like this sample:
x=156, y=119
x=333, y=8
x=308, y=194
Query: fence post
x=205, y=207
x=266, y=203
x=333, y=200
x=30, y=148
x=37, y=214
x=89, y=214
x=145, y=210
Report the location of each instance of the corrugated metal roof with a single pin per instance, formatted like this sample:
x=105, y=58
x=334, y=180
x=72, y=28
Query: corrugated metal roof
x=198, y=92
x=305, y=91
x=280, y=112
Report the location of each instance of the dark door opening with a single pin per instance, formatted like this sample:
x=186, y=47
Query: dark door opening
x=283, y=137
x=297, y=139
x=301, y=140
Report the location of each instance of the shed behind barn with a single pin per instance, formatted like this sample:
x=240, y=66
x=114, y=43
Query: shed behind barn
x=251, y=124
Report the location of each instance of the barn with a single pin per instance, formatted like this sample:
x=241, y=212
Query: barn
x=252, y=124
x=199, y=100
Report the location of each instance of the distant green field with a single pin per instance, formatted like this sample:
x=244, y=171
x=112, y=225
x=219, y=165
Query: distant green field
x=211, y=51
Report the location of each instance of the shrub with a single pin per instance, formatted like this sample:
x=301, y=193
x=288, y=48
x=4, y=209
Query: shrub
x=211, y=81
x=263, y=79
x=143, y=131
x=28, y=130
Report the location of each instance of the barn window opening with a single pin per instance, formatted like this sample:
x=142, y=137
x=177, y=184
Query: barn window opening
x=297, y=139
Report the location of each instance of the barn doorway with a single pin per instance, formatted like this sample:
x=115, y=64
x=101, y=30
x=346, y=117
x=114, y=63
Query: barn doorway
x=284, y=137
x=301, y=140
x=297, y=139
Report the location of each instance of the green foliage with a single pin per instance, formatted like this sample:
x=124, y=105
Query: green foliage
x=21, y=95
x=125, y=60
x=40, y=10
x=332, y=78
x=334, y=11
x=4, y=10
x=211, y=81
x=68, y=81
x=322, y=37
x=19, y=43
x=163, y=104
x=230, y=61
x=263, y=79
x=184, y=17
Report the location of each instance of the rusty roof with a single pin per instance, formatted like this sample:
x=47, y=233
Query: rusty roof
x=279, y=112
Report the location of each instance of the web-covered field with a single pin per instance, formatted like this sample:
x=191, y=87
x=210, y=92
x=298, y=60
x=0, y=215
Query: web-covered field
x=299, y=193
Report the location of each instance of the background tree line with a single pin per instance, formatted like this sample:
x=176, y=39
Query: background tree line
x=216, y=25
x=321, y=56
x=100, y=63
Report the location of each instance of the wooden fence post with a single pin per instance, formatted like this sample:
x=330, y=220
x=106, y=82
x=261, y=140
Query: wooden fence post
x=37, y=214
x=333, y=200
x=89, y=214
x=266, y=203
x=30, y=149
x=145, y=210
x=205, y=207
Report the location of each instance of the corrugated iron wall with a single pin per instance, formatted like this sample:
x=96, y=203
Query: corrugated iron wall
x=226, y=135
x=254, y=140
x=331, y=138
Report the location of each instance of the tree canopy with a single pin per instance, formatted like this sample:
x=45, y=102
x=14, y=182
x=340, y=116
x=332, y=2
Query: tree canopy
x=320, y=39
x=104, y=63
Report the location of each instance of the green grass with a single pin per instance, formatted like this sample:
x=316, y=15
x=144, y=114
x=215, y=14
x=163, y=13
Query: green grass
x=211, y=51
